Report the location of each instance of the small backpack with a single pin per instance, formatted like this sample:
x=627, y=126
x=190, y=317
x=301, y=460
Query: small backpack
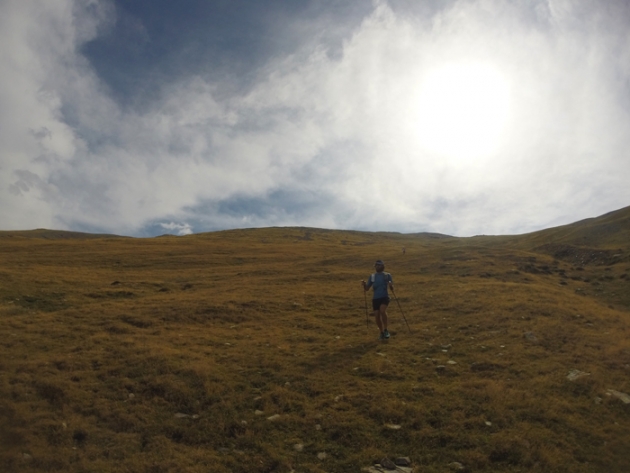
x=373, y=277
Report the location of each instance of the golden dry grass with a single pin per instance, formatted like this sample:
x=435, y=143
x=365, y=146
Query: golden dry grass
x=106, y=343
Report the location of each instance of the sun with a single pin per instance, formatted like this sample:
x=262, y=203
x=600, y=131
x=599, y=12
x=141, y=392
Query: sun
x=463, y=109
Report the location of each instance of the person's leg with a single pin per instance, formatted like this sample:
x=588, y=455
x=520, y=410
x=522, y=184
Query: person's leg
x=376, y=304
x=383, y=317
x=377, y=318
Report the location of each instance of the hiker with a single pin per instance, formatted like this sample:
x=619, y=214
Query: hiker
x=380, y=280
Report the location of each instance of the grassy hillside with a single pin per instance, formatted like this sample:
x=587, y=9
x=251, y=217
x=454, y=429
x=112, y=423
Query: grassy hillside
x=249, y=350
x=53, y=235
x=609, y=231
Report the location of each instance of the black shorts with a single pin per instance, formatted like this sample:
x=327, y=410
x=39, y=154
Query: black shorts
x=377, y=303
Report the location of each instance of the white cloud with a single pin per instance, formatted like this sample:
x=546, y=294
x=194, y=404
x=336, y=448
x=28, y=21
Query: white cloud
x=341, y=129
x=41, y=71
x=180, y=228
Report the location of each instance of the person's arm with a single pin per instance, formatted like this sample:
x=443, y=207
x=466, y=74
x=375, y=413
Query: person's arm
x=368, y=285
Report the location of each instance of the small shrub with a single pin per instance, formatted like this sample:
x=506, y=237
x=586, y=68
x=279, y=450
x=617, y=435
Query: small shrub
x=51, y=392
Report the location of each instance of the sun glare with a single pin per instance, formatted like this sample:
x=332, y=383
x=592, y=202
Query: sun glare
x=463, y=109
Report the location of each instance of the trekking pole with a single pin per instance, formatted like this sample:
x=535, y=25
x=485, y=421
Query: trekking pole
x=367, y=317
x=402, y=312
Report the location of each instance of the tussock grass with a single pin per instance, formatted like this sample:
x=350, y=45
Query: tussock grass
x=171, y=354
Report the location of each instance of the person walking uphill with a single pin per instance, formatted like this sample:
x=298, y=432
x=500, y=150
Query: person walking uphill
x=380, y=281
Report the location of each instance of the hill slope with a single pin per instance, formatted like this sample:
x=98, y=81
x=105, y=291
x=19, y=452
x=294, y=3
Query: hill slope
x=250, y=350
x=53, y=235
x=610, y=231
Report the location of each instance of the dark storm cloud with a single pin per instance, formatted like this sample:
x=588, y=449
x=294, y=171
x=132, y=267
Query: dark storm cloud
x=153, y=42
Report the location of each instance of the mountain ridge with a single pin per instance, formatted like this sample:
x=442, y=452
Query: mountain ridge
x=607, y=230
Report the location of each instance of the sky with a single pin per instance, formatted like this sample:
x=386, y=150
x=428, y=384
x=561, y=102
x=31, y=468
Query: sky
x=461, y=117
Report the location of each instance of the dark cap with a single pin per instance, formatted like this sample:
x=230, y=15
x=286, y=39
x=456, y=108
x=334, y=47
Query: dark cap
x=379, y=262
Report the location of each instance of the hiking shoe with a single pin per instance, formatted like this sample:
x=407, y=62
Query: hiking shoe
x=382, y=336
x=386, y=333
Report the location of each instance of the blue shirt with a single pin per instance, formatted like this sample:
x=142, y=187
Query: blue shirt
x=380, y=281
